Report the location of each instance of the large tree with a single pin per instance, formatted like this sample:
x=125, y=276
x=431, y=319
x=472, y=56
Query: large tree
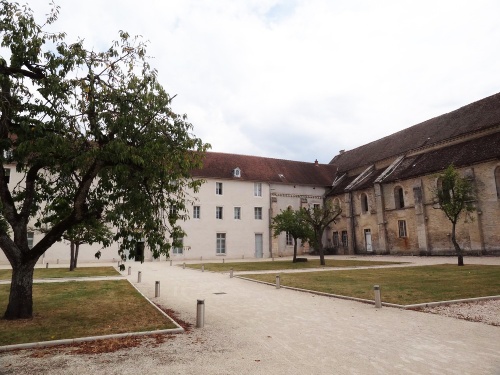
x=292, y=221
x=319, y=218
x=94, y=137
x=456, y=196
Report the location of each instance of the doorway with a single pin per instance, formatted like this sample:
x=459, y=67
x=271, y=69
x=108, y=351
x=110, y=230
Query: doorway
x=368, y=240
x=259, y=251
x=139, y=252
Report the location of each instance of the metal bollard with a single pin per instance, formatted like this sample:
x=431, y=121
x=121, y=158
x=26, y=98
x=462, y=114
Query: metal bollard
x=157, y=289
x=202, y=268
x=231, y=273
x=129, y=270
x=223, y=260
x=46, y=265
x=200, y=313
x=118, y=264
x=277, y=281
x=139, y=276
x=170, y=263
x=378, y=301
x=183, y=265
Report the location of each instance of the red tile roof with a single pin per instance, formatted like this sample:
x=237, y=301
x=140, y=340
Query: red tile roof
x=479, y=115
x=254, y=168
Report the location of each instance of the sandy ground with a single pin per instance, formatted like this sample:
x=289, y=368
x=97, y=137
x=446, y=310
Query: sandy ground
x=257, y=329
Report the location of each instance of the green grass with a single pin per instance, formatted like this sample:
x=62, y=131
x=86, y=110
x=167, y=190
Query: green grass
x=47, y=273
x=79, y=309
x=404, y=286
x=285, y=265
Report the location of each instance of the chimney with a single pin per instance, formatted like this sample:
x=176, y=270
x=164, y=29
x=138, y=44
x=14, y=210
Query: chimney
x=316, y=162
x=341, y=152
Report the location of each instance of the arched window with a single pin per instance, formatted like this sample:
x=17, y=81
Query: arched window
x=497, y=181
x=399, y=198
x=364, y=203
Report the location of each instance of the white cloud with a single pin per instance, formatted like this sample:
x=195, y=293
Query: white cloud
x=303, y=79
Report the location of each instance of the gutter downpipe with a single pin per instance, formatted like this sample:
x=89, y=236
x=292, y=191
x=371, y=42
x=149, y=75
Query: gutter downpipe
x=353, y=230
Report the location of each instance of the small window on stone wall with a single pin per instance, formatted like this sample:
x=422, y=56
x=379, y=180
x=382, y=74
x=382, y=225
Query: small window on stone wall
x=497, y=181
x=399, y=198
x=364, y=203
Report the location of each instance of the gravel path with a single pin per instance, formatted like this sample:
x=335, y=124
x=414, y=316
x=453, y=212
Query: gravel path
x=482, y=311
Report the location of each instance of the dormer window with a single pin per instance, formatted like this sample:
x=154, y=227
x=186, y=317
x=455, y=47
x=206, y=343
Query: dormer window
x=237, y=172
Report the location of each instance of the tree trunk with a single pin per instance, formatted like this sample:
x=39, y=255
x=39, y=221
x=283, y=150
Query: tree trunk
x=77, y=248
x=72, y=256
x=294, y=250
x=21, y=292
x=458, y=250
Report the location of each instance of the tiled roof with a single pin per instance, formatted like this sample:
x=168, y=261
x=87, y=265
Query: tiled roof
x=255, y=168
x=479, y=115
x=460, y=155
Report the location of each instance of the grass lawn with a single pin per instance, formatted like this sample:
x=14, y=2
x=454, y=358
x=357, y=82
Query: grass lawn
x=402, y=286
x=80, y=309
x=47, y=273
x=285, y=265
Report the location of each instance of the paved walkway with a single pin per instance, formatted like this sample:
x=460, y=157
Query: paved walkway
x=257, y=329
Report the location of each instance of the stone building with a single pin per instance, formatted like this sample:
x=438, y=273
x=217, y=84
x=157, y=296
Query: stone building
x=386, y=187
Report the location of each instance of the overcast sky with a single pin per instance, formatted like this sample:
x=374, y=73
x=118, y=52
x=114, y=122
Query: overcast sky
x=303, y=79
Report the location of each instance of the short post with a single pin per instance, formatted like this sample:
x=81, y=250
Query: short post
x=171, y=263
x=243, y=256
x=273, y=259
x=129, y=270
x=231, y=274
x=184, y=265
x=378, y=301
x=139, y=276
x=223, y=260
x=58, y=261
x=118, y=264
x=202, y=268
x=46, y=265
x=277, y=281
x=157, y=289
x=201, y=258
x=200, y=313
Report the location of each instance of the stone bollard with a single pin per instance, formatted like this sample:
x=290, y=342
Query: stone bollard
x=200, y=313
x=277, y=281
x=378, y=300
x=46, y=265
x=157, y=289
x=184, y=265
x=118, y=264
x=129, y=270
x=139, y=276
x=170, y=263
x=231, y=273
x=202, y=268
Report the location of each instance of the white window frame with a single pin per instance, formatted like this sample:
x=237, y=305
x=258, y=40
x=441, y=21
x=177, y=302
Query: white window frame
x=220, y=244
x=258, y=213
x=31, y=239
x=402, y=232
x=218, y=188
x=257, y=189
x=178, y=250
x=237, y=213
x=196, y=212
x=288, y=239
x=344, y=238
x=219, y=212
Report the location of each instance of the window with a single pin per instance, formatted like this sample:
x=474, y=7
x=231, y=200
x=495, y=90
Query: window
x=7, y=155
x=179, y=249
x=237, y=172
x=218, y=212
x=237, y=213
x=345, y=242
x=196, y=212
x=218, y=188
x=497, y=180
x=316, y=206
x=6, y=172
x=336, y=241
x=399, y=199
x=364, y=203
x=257, y=189
x=220, y=247
x=402, y=228
x=258, y=213
x=172, y=211
x=31, y=238
x=289, y=239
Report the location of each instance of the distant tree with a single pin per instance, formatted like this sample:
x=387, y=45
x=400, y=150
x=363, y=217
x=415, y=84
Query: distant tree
x=93, y=136
x=455, y=195
x=319, y=218
x=292, y=221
